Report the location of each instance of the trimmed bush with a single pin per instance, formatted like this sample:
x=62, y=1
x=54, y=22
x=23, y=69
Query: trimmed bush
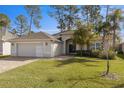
x=96, y=53
x=83, y=53
x=111, y=55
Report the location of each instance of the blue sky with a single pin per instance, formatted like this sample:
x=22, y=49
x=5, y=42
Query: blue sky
x=48, y=24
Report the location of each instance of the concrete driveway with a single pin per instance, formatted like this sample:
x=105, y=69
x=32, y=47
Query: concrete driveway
x=13, y=62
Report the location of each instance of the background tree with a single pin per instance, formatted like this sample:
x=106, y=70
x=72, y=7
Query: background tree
x=91, y=16
x=80, y=35
x=71, y=15
x=14, y=31
x=58, y=13
x=90, y=35
x=21, y=25
x=34, y=12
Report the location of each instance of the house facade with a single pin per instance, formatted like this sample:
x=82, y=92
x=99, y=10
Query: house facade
x=5, y=46
x=70, y=48
x=42, y=44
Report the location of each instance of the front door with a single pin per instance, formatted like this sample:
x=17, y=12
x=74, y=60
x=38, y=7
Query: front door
x=71, y=48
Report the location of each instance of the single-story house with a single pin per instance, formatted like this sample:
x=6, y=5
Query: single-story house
x=38, y=44
x=5, y=46
x=42, y=44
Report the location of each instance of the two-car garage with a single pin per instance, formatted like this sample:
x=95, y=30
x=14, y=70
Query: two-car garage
x=33, y=49
x=37, y=45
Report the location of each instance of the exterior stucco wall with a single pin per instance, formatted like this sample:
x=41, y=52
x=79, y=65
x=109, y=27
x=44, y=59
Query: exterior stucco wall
x=56, y=49
x=6, y=46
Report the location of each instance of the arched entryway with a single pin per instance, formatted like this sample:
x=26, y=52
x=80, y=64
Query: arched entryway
x=70, y=47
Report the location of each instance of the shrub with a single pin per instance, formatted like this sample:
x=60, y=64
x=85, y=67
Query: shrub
x=97, y=53
x=120, y=52
x=111, y=55
x=83, y=53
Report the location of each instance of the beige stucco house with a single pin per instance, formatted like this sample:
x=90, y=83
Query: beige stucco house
x=5, y=46
x=42, y=44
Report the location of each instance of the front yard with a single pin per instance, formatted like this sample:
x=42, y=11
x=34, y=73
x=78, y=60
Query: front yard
x=4, y=56
x=76, y=72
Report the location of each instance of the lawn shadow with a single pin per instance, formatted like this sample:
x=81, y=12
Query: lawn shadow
x=76, y=60
x=119, y=86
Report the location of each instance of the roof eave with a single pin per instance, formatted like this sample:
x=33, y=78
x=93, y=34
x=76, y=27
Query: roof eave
x=29, y=40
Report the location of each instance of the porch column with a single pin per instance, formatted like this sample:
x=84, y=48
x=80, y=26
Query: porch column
x=64, y=47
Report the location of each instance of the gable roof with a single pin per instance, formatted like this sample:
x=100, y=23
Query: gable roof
x=35, y=36
x=64, y=33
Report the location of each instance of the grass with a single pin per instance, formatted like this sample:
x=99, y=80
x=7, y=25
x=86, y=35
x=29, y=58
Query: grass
x=4, y=56
x=77, y=72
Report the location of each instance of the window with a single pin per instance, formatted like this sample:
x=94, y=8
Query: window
x=93, y=46
x=98, y=45
x=46, y=43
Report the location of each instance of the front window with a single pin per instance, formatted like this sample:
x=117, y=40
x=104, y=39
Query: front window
x=98, y=45
x=93, y=46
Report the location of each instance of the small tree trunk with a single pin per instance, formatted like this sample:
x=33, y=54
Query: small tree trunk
x=103, y=40
x=114, y=40
x=107, y=65
x=81, y=50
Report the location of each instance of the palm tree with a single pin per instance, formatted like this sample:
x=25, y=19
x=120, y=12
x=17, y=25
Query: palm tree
x=4, y=22
x=115, y=19
x=105, y=29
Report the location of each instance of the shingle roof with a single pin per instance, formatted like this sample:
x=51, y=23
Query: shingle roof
x=64, y=33
x=36, y=36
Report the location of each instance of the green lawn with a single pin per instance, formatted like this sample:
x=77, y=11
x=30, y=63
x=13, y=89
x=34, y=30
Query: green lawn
x=4, y=56
x=76, y=72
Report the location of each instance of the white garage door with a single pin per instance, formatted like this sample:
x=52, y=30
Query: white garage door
x=27, y=49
